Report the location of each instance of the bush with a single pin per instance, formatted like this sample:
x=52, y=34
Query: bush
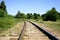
x=2, y=13
x=51, y=15
x=6, y=23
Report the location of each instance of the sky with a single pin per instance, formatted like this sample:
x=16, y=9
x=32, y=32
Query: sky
x=31, y=6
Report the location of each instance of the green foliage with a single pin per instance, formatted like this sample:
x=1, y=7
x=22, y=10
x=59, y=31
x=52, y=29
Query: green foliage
x=53, y=25
x=20, y=15
x=6, y=20
x=3, y=11
x=29, y=16
x=3, y=5
x=44, y=17
x=58, y=16
x=51, y=15
x=10, y=16
x=6, y=23
x=36, y=16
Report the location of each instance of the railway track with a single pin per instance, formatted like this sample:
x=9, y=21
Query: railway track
x=31, y=31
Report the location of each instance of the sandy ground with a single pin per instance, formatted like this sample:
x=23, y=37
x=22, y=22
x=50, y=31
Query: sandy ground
x=12, y=33
x=52, y=31
x=32, y=33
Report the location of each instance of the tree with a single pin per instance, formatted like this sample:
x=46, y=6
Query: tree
x=51, y=15
x=58, y=16
x=36, y=16
x=3, y=11
x=20, y=15
x=29, y=16
x=3, y=5
x=44, y=17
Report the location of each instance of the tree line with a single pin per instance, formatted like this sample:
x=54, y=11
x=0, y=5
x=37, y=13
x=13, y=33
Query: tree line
x=50, y=15
x=27, y=16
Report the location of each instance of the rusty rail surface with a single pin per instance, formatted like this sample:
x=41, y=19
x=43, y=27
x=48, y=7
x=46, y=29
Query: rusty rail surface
x=51, y=36
x=22, y=32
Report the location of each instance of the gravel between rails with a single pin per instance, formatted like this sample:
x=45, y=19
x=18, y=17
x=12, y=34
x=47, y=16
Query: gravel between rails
x=32, y=33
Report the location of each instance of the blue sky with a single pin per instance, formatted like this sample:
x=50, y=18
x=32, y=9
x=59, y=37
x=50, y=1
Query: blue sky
x=31, y=6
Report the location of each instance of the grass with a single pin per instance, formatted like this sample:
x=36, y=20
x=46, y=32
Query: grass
x=6, y=23
x=53, y=25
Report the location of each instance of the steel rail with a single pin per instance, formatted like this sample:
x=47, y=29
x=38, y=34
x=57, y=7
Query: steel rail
x=22, y=32
x=51, y=36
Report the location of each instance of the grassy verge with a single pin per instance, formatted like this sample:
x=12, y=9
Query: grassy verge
x=6, y=23
x=51, y=24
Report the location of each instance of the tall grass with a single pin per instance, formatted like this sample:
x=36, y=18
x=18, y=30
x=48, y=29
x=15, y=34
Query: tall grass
x=53, y=25
x=6, y=23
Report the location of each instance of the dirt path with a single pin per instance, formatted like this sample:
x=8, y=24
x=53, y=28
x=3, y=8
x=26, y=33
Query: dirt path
x=12, y=33
x=32, y=33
